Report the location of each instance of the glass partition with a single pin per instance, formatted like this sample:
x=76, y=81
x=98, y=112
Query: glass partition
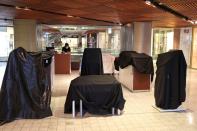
x=7, y=42
x=162, y=41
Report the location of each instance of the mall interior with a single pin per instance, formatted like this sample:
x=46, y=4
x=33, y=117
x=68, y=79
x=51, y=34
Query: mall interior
x=68, y=93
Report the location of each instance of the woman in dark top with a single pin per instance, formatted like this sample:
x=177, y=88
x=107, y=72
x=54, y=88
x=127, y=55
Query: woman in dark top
x=66, y=48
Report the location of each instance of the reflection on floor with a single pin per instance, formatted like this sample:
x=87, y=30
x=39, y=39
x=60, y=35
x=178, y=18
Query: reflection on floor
x=139, y=115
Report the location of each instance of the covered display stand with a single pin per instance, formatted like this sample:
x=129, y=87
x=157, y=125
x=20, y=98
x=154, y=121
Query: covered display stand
x=135, y=70
x=98, y=93
x=26, y=87
x=170, y=82
x=92, y=62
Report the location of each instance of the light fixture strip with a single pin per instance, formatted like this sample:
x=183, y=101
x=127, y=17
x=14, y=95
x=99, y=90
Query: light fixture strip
x=164, y=7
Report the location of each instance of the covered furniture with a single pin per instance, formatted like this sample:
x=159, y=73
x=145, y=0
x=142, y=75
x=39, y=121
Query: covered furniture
x=62, y=63
x=26, y=87
x=99, y=93
x=135, y=70
x=134, y=80
x=92, y=63
x=170, y=82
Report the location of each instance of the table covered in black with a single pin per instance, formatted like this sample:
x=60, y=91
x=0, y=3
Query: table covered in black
x=99, y=94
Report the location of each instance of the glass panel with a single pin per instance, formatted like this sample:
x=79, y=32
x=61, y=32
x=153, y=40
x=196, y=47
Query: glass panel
x=162, y=41
x=7, y=42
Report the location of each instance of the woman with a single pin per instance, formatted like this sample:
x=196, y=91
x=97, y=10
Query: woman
x=66, y=48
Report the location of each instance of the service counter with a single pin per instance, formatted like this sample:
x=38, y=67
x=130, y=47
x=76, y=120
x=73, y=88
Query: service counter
x=63, y=63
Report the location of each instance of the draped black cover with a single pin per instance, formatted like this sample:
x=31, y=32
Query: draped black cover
x=26, y=86
x=141, y=62
x=92, y=63
x=170, y=80
x=99, y=94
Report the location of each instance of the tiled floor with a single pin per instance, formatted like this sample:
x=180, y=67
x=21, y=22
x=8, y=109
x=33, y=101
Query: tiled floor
x=139, y=115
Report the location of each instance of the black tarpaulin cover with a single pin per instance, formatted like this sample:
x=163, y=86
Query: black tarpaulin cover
x=170, y=82
x=92, y=63
x=143, y=63
x=26, y=87
x=99, y=94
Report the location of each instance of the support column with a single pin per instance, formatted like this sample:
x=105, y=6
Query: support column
x=79, y=41
x=176, y=38
x=25, y=34
x=126, y=37
x=142, y=37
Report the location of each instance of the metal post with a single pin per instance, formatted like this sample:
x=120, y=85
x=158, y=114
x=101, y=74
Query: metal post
x=73, y=108
x=113, y=111
x=81, y=108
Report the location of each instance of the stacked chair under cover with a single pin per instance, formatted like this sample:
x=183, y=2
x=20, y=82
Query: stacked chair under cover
x=92, y=63
x=170, y=82
x=26, y=87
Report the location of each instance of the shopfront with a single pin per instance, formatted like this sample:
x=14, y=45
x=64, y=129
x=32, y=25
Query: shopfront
x=80, y=37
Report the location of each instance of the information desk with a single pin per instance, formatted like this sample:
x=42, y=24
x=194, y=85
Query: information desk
x=99, y=93
x=63, y=63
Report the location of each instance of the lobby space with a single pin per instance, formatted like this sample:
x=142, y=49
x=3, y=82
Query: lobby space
x=138, y=115
x=45, y=43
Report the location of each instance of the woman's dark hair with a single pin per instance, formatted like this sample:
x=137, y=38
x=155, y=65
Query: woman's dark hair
x=66, y=44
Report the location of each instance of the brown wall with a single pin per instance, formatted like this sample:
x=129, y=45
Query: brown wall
x=176, y=38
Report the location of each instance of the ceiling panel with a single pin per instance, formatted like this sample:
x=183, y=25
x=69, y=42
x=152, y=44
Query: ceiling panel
x=98, y=12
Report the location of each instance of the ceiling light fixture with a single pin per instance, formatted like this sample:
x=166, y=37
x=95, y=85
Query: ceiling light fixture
x=147, y=2
x=70, y=16
x=26, y=8
x=190, y=21
x=164, y=7
x=193, y=21
x=18, y=8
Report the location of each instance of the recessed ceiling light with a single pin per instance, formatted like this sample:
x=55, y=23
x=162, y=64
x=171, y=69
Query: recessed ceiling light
x=70, y=16
x=18, y=8
x=192, y=22
x=26, y=8
x=147, y=2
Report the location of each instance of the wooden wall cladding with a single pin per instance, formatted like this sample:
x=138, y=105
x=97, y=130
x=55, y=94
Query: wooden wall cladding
x=62, y=63
x=103, y=12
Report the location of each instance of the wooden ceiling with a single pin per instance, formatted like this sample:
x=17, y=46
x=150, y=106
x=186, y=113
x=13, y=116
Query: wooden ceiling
x=97, y=12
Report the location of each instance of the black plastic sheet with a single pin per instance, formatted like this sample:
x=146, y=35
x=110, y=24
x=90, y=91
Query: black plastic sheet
x=26, y=86
x=143, y=63
x=170, y=82
x=92, y=63
x=99, y=94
